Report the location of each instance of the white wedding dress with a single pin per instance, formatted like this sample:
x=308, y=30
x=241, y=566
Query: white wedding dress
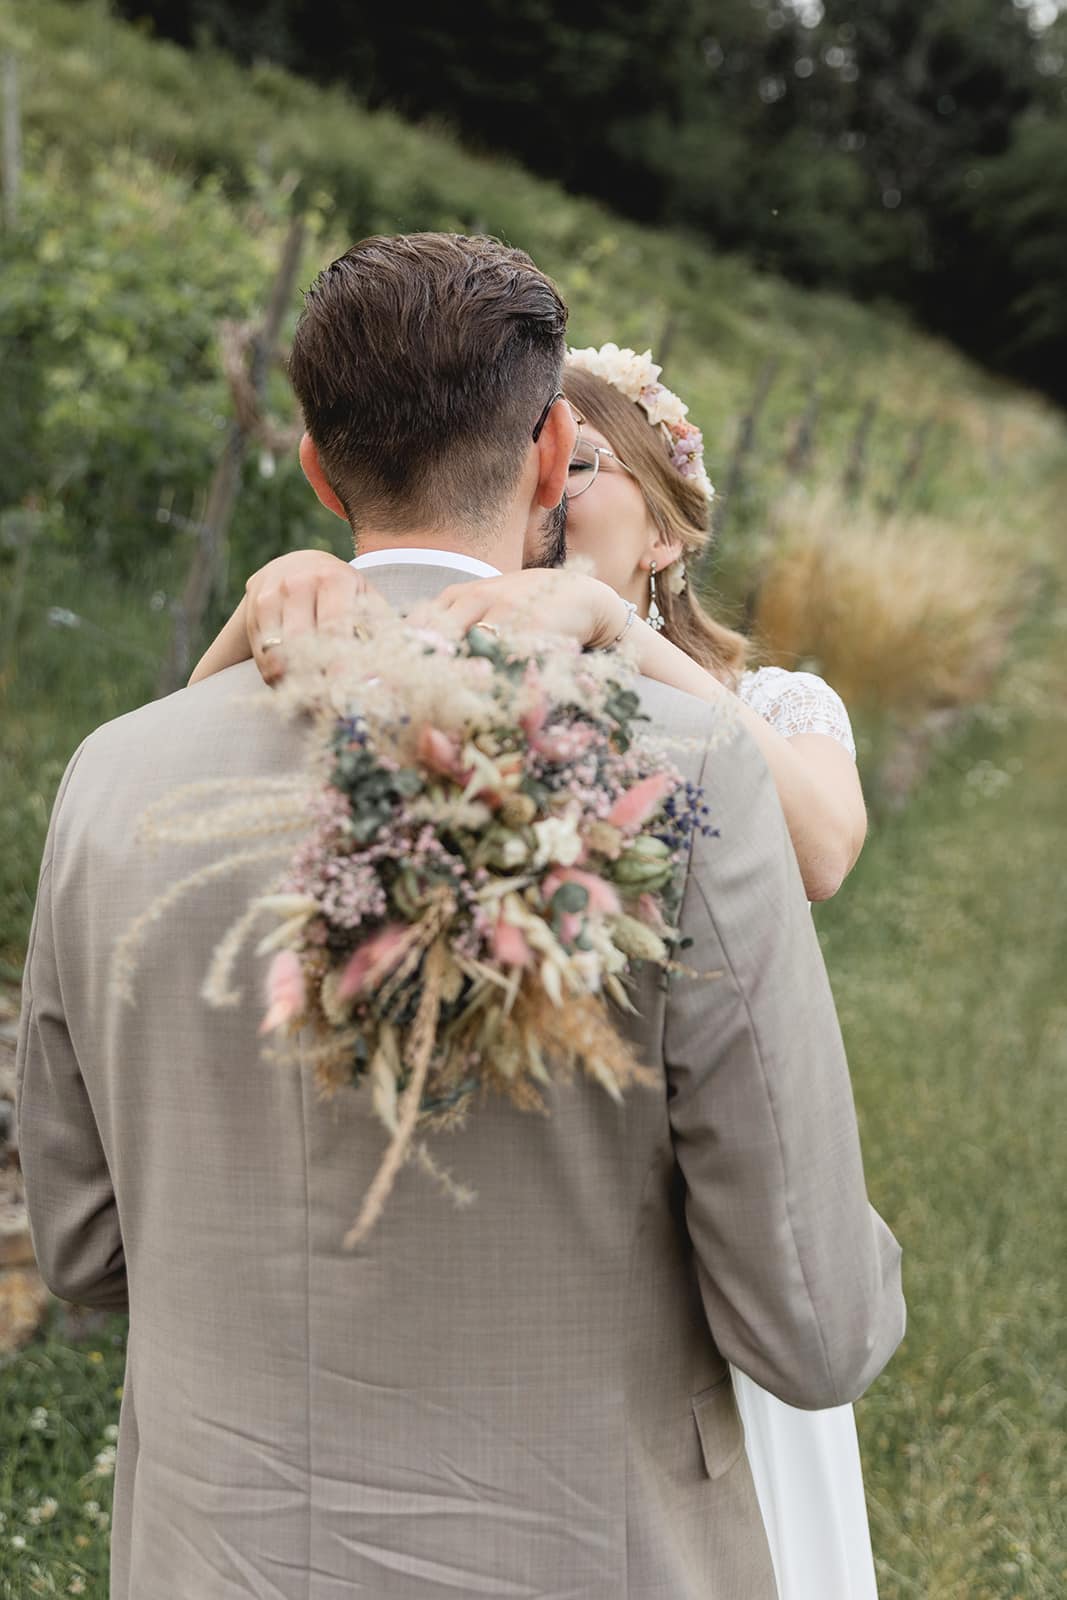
x=806, y=1464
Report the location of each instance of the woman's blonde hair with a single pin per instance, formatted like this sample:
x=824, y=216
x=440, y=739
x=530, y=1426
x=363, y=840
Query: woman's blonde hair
x=679, y=510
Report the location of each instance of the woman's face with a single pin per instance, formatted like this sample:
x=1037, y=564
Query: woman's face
x=610, y=524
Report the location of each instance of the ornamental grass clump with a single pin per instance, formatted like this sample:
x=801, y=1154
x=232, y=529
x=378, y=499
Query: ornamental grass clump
x=902, y=616
x=488, y=843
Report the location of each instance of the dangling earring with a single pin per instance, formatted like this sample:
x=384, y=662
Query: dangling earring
x=655, y=617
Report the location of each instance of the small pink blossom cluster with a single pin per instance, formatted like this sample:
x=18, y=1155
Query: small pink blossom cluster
x=688, y=452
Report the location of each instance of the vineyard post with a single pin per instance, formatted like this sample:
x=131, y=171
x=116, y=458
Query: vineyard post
x=204, y=569
x=12, y=141
x=746, y=439
x=856, y=470
x=802, y=446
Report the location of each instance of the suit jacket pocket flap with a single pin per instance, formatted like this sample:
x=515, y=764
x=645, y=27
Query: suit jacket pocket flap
x=719, y=1426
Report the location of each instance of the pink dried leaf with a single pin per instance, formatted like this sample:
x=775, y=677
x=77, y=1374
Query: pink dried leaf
x=373, y=960
x=603, y=898
x=286, y=991
x=441, y=754
x=509, y=945
x=649, y=912
x=635, y=807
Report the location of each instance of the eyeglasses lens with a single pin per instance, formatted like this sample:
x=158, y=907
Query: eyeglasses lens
x=583, y=469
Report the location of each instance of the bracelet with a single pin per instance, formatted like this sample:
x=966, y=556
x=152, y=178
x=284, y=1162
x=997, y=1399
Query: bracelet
x=631, y=612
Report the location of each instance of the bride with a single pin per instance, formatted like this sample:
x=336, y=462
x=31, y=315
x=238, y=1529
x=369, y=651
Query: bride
x=638, y=503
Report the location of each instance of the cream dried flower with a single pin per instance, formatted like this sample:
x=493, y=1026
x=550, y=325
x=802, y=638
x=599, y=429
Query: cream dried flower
x=663, y=406
x=624, y=369
x=558, y=840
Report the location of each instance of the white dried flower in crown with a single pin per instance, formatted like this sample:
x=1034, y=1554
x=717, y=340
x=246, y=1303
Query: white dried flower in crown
x=664, y=406
x=624, y=369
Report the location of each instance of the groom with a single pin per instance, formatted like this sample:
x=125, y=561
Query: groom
x=529, y=1397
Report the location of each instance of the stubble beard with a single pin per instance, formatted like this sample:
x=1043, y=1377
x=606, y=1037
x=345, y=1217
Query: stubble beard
x=551, y=548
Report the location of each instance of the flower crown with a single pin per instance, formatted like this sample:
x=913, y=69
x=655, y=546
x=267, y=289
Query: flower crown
x=637, y=377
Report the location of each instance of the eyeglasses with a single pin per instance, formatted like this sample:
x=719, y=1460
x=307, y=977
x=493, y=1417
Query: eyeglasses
x=549, y=403
x=543, y=418
x=585, y=464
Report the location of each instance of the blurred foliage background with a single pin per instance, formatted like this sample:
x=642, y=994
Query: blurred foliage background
x=885, y=147
x=777, y=199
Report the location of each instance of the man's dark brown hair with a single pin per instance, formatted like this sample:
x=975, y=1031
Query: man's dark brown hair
x=422, y=362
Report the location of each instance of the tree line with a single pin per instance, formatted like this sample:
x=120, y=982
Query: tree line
x=911, y=149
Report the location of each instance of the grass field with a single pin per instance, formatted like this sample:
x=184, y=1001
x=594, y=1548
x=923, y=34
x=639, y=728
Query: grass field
x=947, y=947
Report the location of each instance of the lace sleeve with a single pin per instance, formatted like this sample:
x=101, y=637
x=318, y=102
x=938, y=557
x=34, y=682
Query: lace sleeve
x=797, y=702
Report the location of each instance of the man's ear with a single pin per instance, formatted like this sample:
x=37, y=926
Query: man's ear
x=555, y=448
x=309, y=460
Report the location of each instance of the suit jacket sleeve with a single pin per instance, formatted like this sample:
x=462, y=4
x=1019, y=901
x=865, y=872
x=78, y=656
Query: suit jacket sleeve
x=799, y=1275
x=73, y=1215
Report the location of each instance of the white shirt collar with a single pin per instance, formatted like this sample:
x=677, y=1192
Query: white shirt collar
x=417, y=556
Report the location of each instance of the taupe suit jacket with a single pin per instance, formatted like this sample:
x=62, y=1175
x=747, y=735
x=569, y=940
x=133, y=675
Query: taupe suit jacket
x=528, y=1399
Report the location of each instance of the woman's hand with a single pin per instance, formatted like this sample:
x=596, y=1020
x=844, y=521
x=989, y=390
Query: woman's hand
x=296, y=593
x=547, y=600
x=302, y=592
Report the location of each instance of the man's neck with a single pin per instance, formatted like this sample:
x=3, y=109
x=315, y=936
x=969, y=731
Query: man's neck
x=504, y=552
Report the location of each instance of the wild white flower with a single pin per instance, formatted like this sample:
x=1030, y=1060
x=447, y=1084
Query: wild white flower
x=48, y=1508
x=104, y=1465
x=76, y=1585
x=111, y=1431
x=38, y=1419
x=18, y=1542
x=91, y=1509
x=557, y=840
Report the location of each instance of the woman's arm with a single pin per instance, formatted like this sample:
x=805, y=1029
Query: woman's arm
x=817, y=781
x=229, y=647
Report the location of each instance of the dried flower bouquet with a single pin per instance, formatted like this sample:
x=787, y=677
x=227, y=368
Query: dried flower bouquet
x=490, y=841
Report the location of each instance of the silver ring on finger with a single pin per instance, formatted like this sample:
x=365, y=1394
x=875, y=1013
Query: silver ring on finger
x=271, y=642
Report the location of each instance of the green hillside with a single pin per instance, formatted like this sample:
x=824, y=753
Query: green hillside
x=156, y=191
